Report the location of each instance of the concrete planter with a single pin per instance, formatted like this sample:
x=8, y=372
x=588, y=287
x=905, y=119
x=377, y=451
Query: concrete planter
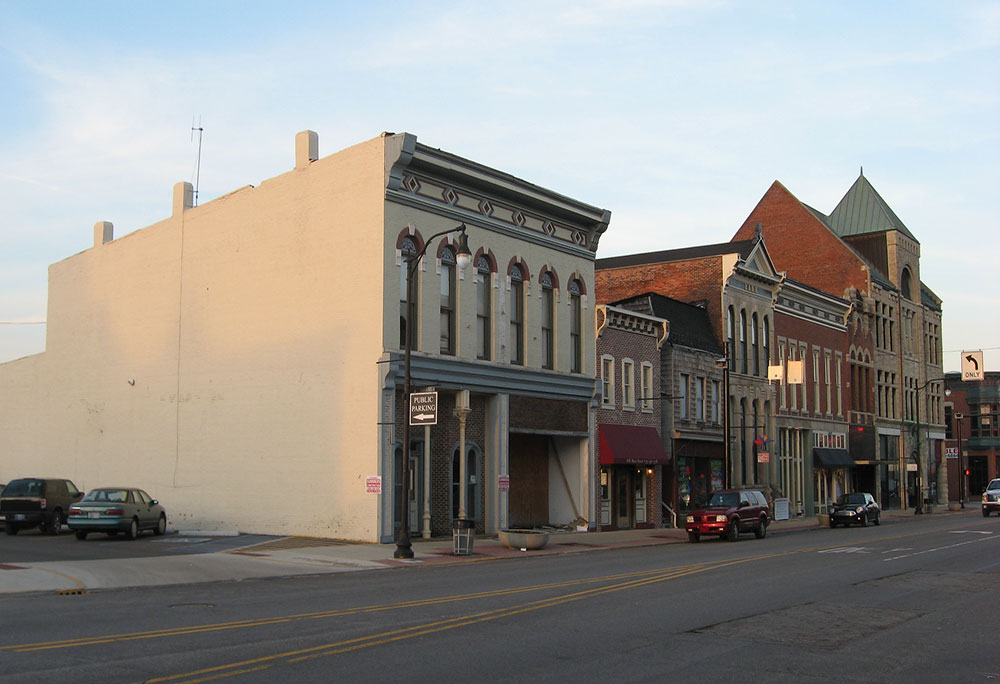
x=954, y=506
x=525, y=540
x=824, y=519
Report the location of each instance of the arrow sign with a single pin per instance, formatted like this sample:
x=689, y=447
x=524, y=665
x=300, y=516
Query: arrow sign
x=972, y=365
x=423, y=408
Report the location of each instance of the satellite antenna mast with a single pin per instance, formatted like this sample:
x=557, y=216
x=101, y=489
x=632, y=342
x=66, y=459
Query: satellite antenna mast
x=197, y=166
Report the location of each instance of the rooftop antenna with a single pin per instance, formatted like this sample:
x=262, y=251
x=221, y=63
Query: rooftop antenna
x=197, y=166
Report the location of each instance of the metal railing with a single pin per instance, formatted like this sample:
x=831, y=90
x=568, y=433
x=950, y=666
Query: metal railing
x=673, y=514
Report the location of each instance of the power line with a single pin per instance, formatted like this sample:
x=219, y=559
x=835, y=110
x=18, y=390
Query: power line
x=22, y=322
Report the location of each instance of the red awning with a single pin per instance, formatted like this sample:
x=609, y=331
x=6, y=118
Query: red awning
x=630, y=445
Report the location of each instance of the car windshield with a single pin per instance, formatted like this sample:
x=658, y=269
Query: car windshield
x=24, y=488
x=851, y=499
x=727, y=499
x=995, y=484
x=107, y=495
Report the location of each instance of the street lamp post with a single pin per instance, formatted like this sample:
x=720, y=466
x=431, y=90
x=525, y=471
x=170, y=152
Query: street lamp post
x=961, y=468
x=463, y=257
x=724, y=365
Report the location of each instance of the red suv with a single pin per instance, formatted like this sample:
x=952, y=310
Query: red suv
x=730, y=512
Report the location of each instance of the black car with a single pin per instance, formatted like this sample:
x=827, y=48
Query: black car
x=856, y=507
x=37, y=502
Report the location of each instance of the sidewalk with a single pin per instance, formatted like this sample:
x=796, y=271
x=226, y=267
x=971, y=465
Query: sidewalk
x=288, y=556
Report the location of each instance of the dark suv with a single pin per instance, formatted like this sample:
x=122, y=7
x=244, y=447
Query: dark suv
x=730, y=512
x=37, y=502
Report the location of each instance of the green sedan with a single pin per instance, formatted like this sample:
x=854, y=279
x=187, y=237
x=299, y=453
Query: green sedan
x=116, y=509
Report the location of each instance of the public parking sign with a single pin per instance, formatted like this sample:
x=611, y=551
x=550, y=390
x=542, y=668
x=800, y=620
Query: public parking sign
x=423, y=408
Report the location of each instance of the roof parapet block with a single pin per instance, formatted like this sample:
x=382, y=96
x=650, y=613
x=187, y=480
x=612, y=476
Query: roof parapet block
x=183, y=197
x=306, y=148
x=104, y=232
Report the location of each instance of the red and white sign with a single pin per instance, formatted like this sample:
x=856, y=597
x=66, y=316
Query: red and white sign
x=503, y=483
x=373, y=485
x=951, y=452
x=763, y=457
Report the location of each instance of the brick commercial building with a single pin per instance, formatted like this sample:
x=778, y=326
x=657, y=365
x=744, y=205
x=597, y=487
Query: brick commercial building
x=631, y=458
x=691, y=417
x=736, y=282
x=864, y=253
x=811, y=445
x=972, y=415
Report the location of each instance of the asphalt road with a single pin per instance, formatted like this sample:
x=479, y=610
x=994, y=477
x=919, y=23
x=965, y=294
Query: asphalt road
x=909, y=601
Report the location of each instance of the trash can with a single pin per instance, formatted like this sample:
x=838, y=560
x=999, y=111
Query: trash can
x=463, y=532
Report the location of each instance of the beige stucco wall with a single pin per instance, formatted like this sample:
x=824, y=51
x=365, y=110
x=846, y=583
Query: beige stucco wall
x=255, y=293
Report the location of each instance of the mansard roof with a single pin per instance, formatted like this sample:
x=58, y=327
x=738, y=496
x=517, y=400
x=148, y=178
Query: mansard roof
x=690, y=325
x=862, y=210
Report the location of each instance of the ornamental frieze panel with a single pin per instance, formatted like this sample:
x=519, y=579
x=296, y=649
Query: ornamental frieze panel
x=517, y=217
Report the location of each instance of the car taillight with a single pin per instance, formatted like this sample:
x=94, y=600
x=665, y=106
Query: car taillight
x=114, y=511
x=74, y=511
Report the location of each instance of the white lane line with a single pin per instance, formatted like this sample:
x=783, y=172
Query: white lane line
x=941, y=548
x=970, y=531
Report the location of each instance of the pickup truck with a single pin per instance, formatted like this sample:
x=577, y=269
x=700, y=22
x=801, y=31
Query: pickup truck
x=37, y=502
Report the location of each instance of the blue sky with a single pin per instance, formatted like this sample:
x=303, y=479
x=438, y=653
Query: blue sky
x=675, y=115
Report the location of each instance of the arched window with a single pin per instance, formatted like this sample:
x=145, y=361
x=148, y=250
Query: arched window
x=516, y=315
x=548, y=320
x=905, y=284
x=744, y=464
x=407, y=249
x=766, y=334
x=447, y=301
x=743, y=341
x=755, y=344
x=731, y=334
x=484, y=310
x=575, y=327
x=471, y=482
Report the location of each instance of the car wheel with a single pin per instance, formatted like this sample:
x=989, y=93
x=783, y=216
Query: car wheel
x=761, y=530
x=864, y=520
x=10, y=529
x=81, y=534
x=54, y=524
x=986, y=512
x=733, y=531
x=878, y=519
x=133, y=529
x=833, y=523
x=161, y=526
x=694, y=537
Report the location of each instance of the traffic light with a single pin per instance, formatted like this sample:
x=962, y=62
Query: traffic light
x=967, y=472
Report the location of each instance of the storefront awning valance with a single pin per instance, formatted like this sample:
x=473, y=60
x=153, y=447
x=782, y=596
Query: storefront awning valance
x=832, y=458
x=630, y=445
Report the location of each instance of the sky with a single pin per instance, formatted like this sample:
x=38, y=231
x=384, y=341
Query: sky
x=676, y=115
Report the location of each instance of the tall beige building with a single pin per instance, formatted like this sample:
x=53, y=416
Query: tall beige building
x=242, y=360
